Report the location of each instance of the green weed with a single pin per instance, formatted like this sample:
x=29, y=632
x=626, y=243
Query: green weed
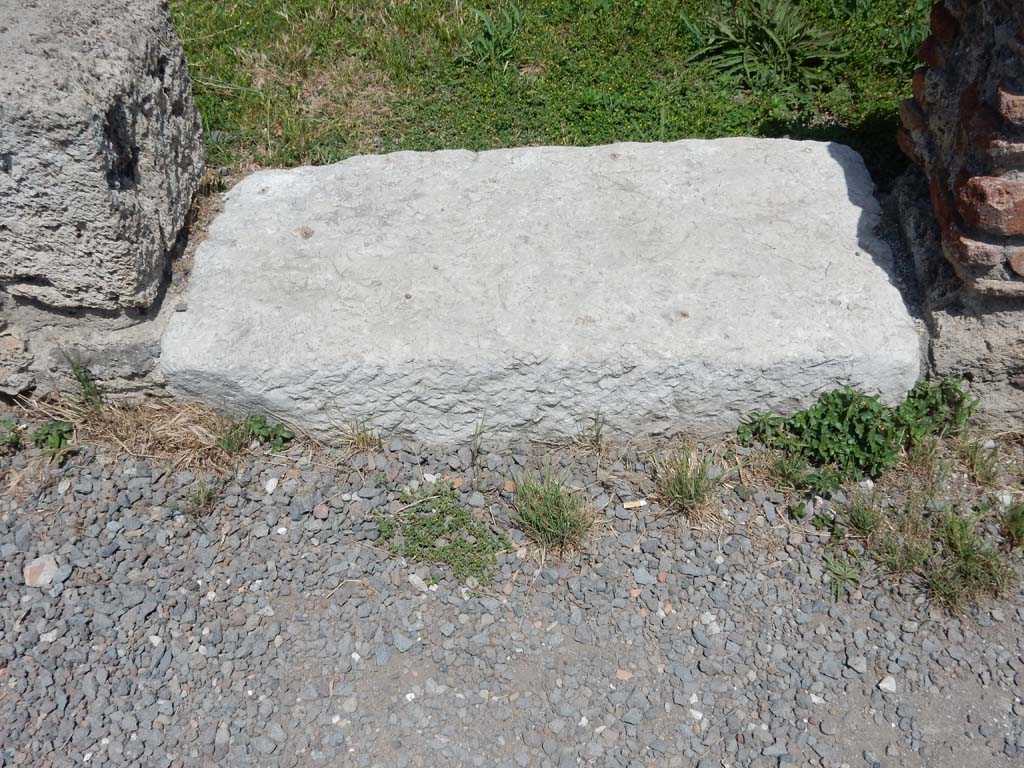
x=934, y=409
x=844, y=575
x=553, y=516
x=433, y=526
x=277, y=436
x=236, y=435
x=847, y=435
x=54, y=438
x=10, y=436
x=766, y=43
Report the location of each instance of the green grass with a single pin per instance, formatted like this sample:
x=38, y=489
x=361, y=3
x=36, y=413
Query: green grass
x=433, y=526
x=590, y=432
x=10, y=437
x=308, y=81
x=947, y=552
x=1012, y=524
x=982, y=460
x=89, y=393
x=965, y=567
x=553, y=516
x=862, y=514
x=684, y=483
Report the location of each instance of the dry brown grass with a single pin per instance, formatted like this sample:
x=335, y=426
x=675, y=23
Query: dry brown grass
x=360, y=437
x=176, y=434
x=313, y=99
x=352, y=92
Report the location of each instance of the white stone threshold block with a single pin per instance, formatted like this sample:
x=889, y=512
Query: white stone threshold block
x=664, y=287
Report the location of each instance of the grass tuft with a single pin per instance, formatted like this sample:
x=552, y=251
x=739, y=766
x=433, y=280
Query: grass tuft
x=361, y=437
x=982, y=460
x=553, y=516
x=770, y=43
x=88, y=388
x=476, y=444
x=1011, y=522
x=201, y=499
x=493, y=46
x=231, y=437
x=684, y=482
x=966, y=567
x=591, y=432
x=862, y=514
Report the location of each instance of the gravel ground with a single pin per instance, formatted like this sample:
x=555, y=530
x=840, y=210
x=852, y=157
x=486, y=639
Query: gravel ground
x=275, y=631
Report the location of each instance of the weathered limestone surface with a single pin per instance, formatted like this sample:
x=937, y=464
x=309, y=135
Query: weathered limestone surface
x=664, y=286
x=100, y=150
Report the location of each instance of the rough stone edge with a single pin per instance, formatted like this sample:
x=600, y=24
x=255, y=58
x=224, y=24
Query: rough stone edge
x=974, y=337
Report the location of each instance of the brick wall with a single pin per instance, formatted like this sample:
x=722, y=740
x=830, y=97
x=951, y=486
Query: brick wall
x=965, y=128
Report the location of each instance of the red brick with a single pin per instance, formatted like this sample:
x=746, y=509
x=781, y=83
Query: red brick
x=943, y=24
x=971, y=252
x=931, y=53
x=919, y=86
x=1017, y=261
x=1011, y=105
x=908, y=145
x=992, y=204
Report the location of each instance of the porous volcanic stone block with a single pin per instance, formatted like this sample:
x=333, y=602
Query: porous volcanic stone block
x=100, y=150
x=664, y=286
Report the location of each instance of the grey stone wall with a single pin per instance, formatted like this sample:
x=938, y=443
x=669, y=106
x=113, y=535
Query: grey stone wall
x=100, y=151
